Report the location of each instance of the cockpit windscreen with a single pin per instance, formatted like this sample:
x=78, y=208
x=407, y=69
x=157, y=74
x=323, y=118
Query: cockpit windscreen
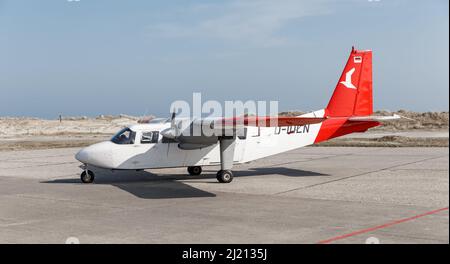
x=124, y=136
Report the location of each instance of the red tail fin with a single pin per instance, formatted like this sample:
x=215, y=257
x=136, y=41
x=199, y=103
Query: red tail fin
x=353, y=93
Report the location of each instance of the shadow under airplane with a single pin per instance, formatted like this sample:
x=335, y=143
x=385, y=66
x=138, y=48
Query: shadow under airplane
x=147, y=185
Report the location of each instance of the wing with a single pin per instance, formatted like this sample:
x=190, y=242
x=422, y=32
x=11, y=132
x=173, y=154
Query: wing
x=267, y=121
x=201, y=133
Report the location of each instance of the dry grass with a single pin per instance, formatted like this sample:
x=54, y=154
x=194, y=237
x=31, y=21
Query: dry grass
x=24, y=144
x=420, y=121
x=32, y=133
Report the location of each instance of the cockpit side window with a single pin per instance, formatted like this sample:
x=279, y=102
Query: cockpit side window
x=149, y=137
x=124, y=136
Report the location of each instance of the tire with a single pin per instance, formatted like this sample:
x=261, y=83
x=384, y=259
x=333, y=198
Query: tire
x=194, y=170
x=225, y=176
x=87, y=177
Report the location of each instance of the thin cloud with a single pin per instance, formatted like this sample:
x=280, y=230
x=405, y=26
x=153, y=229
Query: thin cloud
x=257, y=21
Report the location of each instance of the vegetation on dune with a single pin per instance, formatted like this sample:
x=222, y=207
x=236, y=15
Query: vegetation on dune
x=34, y=133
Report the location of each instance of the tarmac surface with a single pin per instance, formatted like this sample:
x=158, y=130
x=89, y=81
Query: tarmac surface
x=310, y=195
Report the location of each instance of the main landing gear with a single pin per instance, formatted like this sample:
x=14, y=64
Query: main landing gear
x=224, y=175
x=194, y=170
x=87, y=176
x=226, y=159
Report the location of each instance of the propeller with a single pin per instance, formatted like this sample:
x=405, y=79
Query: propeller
x=172, y=119
x=172, y=132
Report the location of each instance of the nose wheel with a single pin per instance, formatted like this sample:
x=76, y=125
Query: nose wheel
x=224, y=176
x=87, y=176
x=194, y=170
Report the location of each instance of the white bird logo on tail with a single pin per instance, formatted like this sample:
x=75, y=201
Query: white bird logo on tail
x=348, y=79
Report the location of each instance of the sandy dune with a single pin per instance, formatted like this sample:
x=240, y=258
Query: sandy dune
x=426, y=129
x=23, y=126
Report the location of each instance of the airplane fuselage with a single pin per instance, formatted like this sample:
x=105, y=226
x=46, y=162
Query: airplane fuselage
x=258, y=142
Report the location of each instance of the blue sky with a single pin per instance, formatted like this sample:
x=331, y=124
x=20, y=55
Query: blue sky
x=92, y=57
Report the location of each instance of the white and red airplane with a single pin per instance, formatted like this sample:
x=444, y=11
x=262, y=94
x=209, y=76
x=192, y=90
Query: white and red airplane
x=163, y=143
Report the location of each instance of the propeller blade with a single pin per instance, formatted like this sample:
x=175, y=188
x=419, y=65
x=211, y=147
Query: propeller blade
x=172, y=131
x=172, y=119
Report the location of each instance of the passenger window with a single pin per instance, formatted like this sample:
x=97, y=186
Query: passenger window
x=149, y=137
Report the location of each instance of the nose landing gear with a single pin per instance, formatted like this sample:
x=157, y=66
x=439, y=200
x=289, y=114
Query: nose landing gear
x=87, y=176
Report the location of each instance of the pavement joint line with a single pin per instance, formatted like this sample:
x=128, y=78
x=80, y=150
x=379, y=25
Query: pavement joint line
x=67, y=201
x=356, y=175
x=125, y=208
x=42, y=165
x=382, y=226
x=21, y=159
x=59, y=177
x=418, y=169
x=392, y=234
x=20, y=223
x=25, y=162
x=41, y=180
x=313, y=159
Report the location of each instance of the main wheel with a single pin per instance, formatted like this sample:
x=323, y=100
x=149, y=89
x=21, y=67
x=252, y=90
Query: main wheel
x=224, y=176
x=87, y=177
x=194, y=170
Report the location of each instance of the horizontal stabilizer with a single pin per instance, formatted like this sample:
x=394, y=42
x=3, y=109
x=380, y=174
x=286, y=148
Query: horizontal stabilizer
x=374, y=118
